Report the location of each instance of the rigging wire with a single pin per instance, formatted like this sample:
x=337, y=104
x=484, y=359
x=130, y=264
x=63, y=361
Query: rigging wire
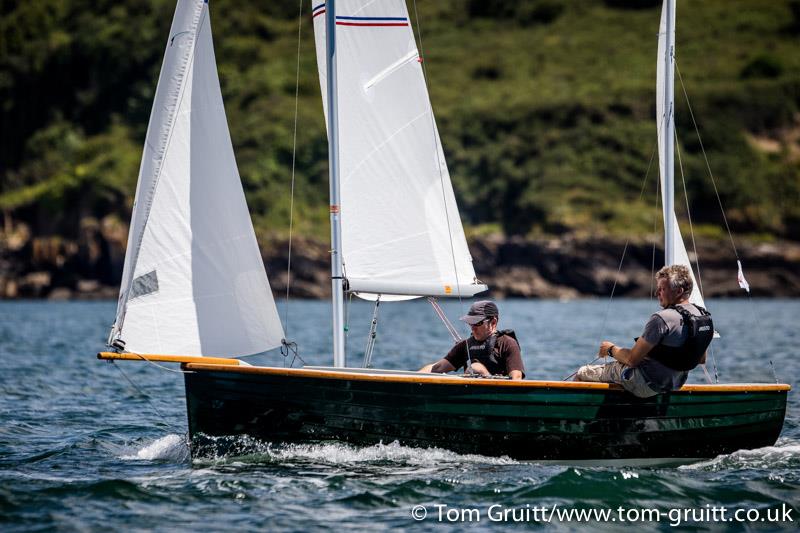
x=705, y=158
x=438, y=156
x=694, y=246
x=721, y=208
x=145, y=395
x=621, y=261
x=447, y=324
x=294, y=161
x=774, y=375
x=627, y=242
x=373, y=333
x=162, y=367
x=689, y=214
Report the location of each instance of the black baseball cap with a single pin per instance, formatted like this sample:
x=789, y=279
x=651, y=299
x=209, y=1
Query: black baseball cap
x=480, y=311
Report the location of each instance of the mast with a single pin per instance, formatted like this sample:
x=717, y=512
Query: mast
x=669, y=135
x=337, y=277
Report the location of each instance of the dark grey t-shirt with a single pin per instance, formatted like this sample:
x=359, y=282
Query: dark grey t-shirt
x=665, y=327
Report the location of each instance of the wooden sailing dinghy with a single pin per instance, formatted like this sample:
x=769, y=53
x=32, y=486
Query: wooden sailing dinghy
x=194, y=284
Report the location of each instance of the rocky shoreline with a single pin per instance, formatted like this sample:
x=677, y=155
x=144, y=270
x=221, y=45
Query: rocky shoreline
x=90, y=266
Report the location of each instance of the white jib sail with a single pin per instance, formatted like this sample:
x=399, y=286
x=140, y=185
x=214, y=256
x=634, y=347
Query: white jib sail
x=681, y=256
x=194, y=281
x=401, y=231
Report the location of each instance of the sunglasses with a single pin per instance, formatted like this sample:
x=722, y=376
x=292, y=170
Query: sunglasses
x=482, y=322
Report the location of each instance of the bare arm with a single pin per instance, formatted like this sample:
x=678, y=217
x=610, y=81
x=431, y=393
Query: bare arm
x=441, y=366
x=628, y=356
x=479, y=368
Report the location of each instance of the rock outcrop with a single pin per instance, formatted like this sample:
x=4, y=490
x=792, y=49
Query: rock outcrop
x=90, y=266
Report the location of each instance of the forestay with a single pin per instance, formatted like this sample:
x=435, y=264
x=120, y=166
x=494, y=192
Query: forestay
x=401, y=232
x=193, y=281
x=665, y=117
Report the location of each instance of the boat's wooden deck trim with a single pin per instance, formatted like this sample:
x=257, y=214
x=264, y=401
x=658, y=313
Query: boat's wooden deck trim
x=111, y=356
x=458, y=380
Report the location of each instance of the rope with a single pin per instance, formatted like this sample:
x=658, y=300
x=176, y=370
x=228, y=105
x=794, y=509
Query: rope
x=719, y=200
x=438, y=158
x=347, y=314
x=373, y=333
x=613, y=289
x=689, y=214
x=294, y=160
x=621, y=261
x=694, y=246
x=625, y=248
x=144, y=394
x=714, y=362
x=589, y=363
x=288, y=347
x=705, y=157
x=162, y=367
x=705, y=372
x=447, y=324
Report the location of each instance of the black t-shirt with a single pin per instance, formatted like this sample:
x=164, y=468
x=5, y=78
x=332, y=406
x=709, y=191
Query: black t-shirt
x=504, y=358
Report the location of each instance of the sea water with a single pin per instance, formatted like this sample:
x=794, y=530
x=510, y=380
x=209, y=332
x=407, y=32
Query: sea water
x=90, y=445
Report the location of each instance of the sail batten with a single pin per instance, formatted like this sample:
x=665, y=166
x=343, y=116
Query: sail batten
x=399, y=217
x=406, y=288
x=194, y=282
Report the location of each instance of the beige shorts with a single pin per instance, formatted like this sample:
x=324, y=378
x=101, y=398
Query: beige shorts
x=633, y=381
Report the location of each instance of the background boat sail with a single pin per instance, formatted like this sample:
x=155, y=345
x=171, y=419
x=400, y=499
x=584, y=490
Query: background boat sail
x=522, y=419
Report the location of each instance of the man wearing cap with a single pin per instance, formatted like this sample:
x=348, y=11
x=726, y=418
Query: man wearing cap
x=487, y=351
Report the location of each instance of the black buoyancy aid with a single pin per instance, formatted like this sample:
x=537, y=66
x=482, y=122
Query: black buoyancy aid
x=511, y=333
x=484, y=353
x=700, y=331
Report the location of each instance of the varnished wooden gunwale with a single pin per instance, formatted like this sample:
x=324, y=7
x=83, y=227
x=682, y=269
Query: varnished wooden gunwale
x=460, y=381
x=113, y=356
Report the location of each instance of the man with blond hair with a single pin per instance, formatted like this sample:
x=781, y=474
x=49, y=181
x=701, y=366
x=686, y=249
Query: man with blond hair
x=674, y=341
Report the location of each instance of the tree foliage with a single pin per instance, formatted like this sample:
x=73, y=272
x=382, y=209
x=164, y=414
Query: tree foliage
x=545, y=109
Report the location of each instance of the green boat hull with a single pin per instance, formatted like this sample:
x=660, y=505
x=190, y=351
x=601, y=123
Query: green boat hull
x=537, y=422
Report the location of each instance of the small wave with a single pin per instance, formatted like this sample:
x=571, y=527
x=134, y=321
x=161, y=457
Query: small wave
x=333, y=452
x=336, y=452
x=783, y=455
x=168, y=448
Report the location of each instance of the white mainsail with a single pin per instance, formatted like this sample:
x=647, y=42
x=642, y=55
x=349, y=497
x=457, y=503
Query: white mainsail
x=665, y=117
x=401, y=232
x=193, y=282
